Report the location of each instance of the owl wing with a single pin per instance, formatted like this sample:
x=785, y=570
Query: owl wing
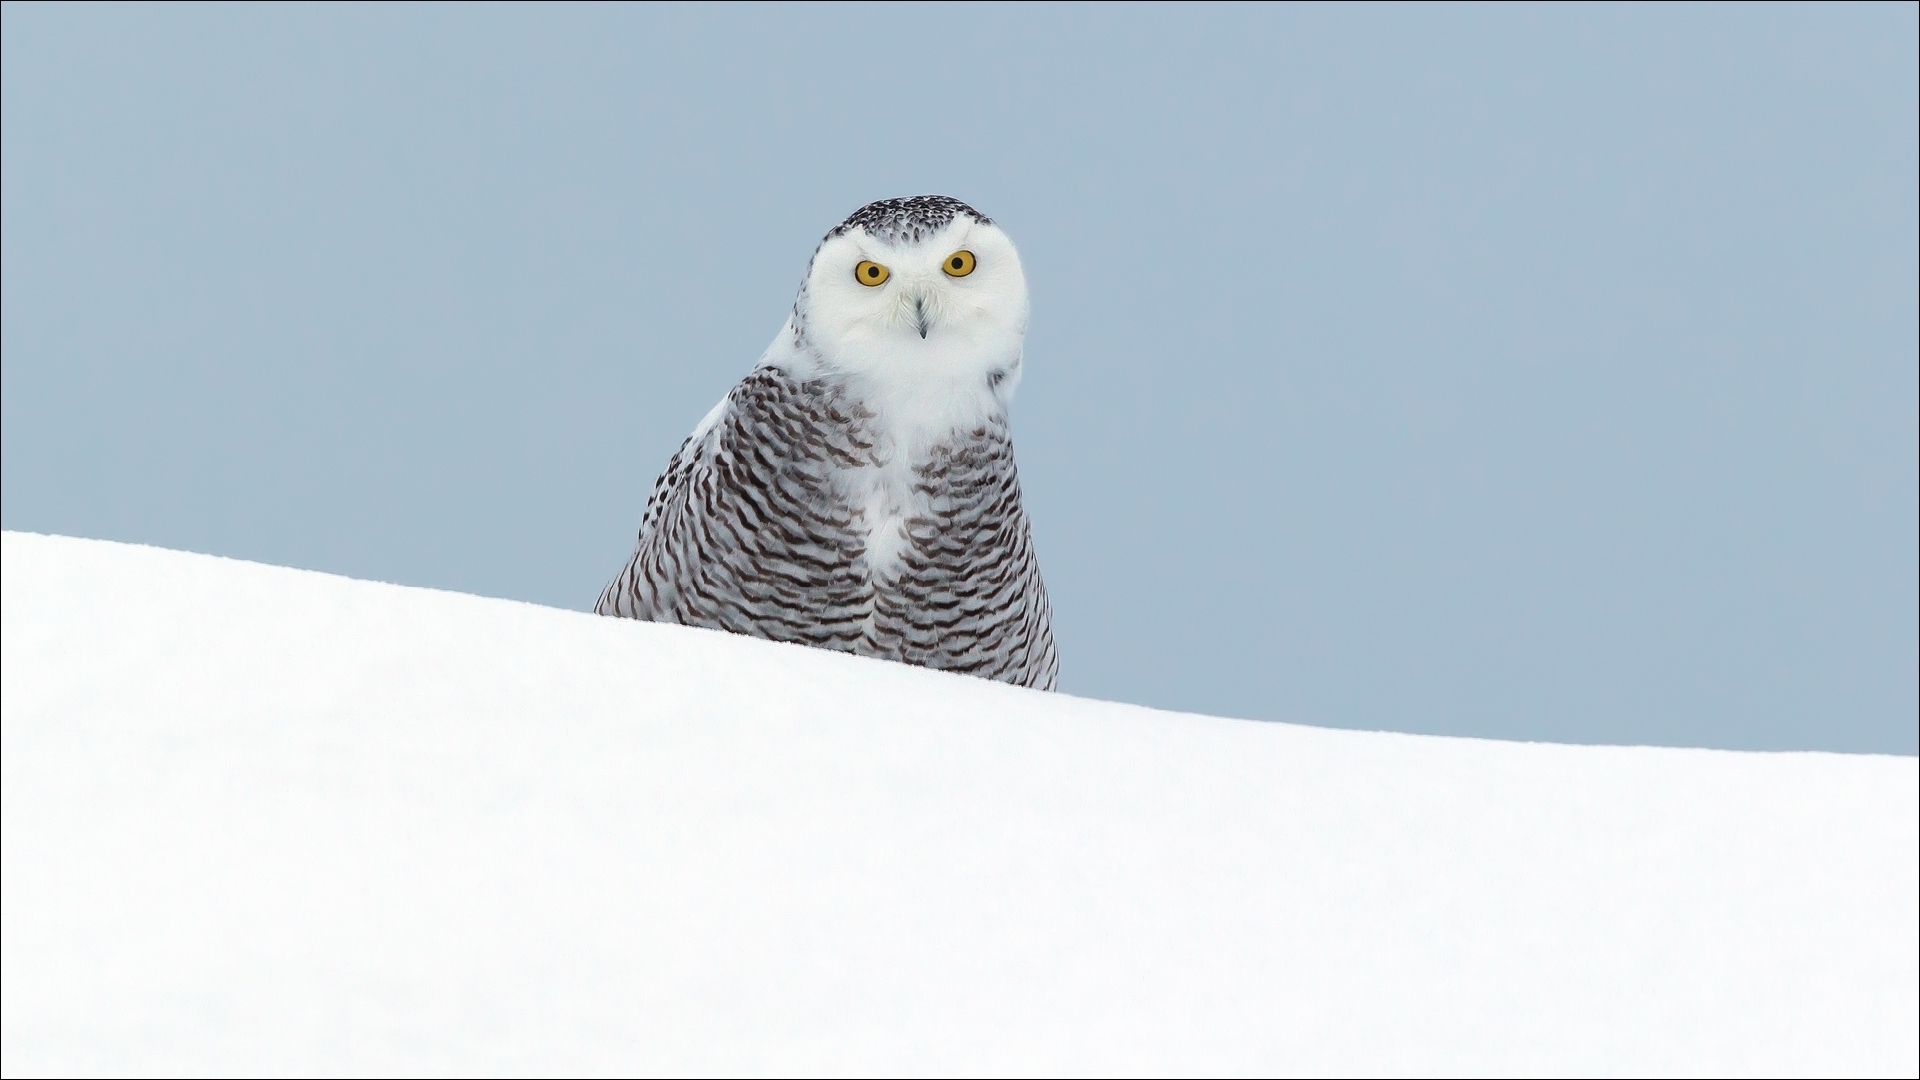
x=746, y=529
x=967, y=595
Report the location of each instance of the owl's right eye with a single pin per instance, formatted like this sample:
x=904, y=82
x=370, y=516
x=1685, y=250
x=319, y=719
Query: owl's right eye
x=871, y=273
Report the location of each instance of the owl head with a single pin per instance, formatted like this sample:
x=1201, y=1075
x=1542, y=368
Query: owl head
x=924, y=294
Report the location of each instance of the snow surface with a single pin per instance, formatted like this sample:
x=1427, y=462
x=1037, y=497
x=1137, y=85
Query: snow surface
x=266, y=820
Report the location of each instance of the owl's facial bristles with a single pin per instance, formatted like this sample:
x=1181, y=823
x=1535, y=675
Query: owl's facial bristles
x=919, y=307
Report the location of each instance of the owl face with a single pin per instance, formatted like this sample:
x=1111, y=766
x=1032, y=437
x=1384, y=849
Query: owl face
x=918, y=292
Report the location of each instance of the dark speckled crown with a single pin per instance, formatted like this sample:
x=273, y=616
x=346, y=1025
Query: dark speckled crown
x=913, y=219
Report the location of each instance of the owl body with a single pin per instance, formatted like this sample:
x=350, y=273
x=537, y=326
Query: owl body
x=857, y=490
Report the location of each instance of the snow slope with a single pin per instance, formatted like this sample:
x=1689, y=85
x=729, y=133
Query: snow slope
x=259, y=819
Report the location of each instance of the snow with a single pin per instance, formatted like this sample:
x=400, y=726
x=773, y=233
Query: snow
x=267, y=820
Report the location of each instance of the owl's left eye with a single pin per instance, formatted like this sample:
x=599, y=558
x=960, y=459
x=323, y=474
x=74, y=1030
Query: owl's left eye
x=958, y=264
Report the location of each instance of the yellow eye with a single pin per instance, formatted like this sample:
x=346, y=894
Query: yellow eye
x=871, y=273
x=959, y=264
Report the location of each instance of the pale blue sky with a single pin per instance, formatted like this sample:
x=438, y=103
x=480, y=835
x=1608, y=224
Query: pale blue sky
x=1534, y=373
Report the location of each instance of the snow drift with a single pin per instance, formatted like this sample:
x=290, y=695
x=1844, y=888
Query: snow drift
x=258, y=819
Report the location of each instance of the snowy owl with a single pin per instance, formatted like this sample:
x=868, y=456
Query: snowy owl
x=856, y=491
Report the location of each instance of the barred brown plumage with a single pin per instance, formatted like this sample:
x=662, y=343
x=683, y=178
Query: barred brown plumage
x=857, y=490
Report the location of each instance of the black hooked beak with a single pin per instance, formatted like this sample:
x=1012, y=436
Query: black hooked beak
x=920, y=316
